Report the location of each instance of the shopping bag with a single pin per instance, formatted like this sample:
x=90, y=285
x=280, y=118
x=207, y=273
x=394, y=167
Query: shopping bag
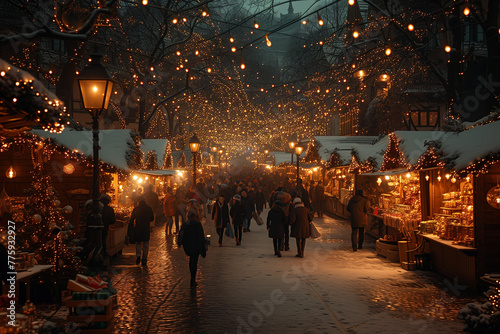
x=229, y=231
x=314, y=231
x=257, y=218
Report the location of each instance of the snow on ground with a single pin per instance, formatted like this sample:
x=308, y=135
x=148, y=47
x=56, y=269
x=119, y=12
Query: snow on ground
x=331, y=290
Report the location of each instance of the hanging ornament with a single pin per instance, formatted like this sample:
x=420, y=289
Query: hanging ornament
x=57, y=202
x=68, y=209
x=37, y=218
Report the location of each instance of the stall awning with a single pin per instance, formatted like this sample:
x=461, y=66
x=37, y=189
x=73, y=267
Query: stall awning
x=158, y=172
x=388, y=172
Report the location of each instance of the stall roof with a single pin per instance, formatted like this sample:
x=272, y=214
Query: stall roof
x=375, y=151
x=156, y=145
x=343, y=145
x=284, y=157
x=415, y=143
x=115, y=144
x=467, y=147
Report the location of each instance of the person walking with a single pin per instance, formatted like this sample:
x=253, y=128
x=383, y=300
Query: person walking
x=169, y=211
x=192, y=239
x=141, y=217
x=220, y=216
x=152, y=200
x=180, y=206
x=260, y=201
x=276, y=220
x=312, y=196
x=249, y=206
x=301, y=228
x=285, y=199
x=358, y=206
x=238, y=214
x=108, y=218
x=320, y=199
x=303, y=194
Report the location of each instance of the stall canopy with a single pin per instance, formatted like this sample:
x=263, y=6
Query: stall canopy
x=25, y=102
x=118, y=148
x=284, y=157
x=158, y=172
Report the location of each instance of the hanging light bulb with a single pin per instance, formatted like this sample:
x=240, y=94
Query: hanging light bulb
x=231, y=39
x=447, y=176
x=255, y=24
x=304, y=22
x=320, y=20
x=411, y=27
x=233, y=49
x=351, y=2
x=242, y=65
x=355, y=34
x=466, y=11
x=268, y=41
x=388, y=51
x=145, y=2
x=379, y=181
x=174, y=21
x=427, y=177
x=447, y=48
x=439, y=178
x=11, y=172
x=453, y=180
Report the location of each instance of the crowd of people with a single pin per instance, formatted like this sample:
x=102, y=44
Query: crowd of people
x=231, y=203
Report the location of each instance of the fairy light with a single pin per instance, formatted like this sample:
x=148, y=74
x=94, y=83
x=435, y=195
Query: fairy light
x=145, y=2
x=388, y=51
x=447, y=48
x=351, y=2
x=255, y=24
x=466, y=11
x=320, y=20
x=355, y=34
x=411, y=27
x=268, y=41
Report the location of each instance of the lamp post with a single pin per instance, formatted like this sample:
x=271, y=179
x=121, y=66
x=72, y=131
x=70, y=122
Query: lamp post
x=95, y=89
x=298, y=151
x=292, y=145
x=220, y=153
x=194, y=146
x=227, y=153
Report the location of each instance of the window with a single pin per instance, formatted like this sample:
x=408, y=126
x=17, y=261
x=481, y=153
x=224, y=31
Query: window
x=425, y=118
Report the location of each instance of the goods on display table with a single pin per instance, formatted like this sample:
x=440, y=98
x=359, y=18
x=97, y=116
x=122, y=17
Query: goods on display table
x=454, y=219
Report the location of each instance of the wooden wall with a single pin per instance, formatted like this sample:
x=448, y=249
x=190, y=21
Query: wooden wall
x=487, y=222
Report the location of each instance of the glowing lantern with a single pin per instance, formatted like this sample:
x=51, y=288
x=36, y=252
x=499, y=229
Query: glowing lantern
x=68, y=168
x=11, y=172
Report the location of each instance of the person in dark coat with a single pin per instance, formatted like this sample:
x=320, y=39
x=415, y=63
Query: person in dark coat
x=169, y=211
x=358, y=206
x=285, y=199
x=303, y=194
x=301, y=228
x=238, y=214
x=192, y=239
x=276, y=220
x=249, y=206
x=320, y=199
x=220, y=216
x=108, y=218
x=152, y=199
x=260, y=200
x=141, y=217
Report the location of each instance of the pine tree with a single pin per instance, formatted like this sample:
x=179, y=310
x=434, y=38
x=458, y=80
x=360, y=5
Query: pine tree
x=167, y=160
x=182, y=161
x=46, y=232
x=312, y=153
x=151, y=161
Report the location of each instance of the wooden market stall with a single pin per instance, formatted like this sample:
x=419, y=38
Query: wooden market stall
x=67, y=158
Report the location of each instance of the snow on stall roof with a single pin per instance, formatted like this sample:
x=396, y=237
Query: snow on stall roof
x=343, y=145
x=281, y=157
x=468, y=146
x=114, y=144
x=156, y=145
x=413, y=143
x=375, y=151
x=158, y=172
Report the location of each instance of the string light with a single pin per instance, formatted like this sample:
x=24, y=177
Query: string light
x=255, y=24
x=411, y=27
x=466, y=11
x=447, y=48
x=268, y=42
x=320, y=20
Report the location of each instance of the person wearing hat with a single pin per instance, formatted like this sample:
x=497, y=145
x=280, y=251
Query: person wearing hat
x=141, y=217
x=300, y=219
x=194, y=206
x=237, y=214
x=108, y=218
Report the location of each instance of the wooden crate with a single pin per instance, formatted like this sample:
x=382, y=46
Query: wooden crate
x=109, y=304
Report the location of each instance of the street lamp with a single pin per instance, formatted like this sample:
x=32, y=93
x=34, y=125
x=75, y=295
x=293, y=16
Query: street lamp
x=298, y=151
x=194, y=146
x=95, y=89
x=292, y=145
x=220, y=153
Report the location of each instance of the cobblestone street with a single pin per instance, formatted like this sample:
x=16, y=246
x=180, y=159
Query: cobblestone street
x=247, y=289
